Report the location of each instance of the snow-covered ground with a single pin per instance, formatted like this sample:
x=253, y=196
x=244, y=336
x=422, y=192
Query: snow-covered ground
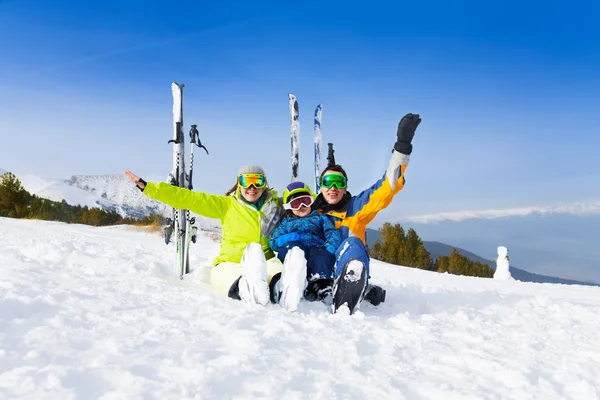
x=94, y=313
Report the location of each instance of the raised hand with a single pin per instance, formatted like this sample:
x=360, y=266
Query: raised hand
x=139, y=182
x=406, y=132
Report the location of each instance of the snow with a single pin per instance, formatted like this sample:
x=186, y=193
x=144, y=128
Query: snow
x=96, y=313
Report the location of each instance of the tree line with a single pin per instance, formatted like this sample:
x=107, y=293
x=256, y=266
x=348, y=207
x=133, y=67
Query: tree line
x=394, y=246
x=16, y=202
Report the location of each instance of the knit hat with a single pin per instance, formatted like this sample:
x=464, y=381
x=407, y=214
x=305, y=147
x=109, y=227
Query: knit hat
x=251, y=169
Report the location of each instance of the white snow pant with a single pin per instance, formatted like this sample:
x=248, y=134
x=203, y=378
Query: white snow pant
x=224, y=274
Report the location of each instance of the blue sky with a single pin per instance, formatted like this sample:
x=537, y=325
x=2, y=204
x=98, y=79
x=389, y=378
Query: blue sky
x=508, y=92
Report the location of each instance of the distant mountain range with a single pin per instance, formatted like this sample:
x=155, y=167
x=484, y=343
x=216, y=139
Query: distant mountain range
x=437, y=249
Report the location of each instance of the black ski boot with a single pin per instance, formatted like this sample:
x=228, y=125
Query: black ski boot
x=318, y=289
x=349, y=287
x=375, y=294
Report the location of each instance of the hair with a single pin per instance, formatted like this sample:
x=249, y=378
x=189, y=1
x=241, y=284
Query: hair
x=335, y=168
x=233, y=189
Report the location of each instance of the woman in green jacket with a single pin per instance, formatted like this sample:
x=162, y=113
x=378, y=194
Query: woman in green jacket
x=248, y=213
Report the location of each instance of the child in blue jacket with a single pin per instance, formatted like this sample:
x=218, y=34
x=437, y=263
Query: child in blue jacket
x=312, y=232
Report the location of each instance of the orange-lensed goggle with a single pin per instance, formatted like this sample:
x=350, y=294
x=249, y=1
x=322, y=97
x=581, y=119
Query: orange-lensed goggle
x=259, y=181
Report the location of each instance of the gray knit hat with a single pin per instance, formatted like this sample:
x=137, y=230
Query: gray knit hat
x=251, y=169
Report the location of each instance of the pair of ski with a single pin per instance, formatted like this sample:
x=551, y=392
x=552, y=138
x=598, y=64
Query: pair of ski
x=182, y=224
x=295, y=139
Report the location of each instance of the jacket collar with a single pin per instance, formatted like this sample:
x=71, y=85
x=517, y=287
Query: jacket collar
x=323, y=206
x=267, y=194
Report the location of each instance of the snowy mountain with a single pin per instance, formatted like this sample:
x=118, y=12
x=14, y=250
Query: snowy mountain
x=109, y=192
x=116, y=193
x=90, y=313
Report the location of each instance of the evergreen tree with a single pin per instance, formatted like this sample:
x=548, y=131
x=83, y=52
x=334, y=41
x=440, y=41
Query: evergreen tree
x=13, y=198
x=442, y=264
x=396, y=247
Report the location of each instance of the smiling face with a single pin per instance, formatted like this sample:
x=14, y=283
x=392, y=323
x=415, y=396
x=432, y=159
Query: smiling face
x=333, y=195
x=251, y=194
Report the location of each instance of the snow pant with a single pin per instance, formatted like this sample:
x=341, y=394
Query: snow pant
x=351, y=249
x=319, y=262
x=224, y=274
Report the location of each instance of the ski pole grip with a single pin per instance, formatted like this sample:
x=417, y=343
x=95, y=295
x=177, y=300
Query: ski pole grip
x=330, y=156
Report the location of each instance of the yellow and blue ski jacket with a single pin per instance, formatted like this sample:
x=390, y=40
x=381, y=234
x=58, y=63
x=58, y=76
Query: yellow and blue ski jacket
x=353, y=213
x=242, y=223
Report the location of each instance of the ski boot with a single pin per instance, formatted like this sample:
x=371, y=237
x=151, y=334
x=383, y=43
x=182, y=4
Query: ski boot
x=374, y=294
x=349, y=286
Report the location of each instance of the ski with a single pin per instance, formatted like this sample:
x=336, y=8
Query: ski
x=177, y=177
x=294, y=134
x=317, y=140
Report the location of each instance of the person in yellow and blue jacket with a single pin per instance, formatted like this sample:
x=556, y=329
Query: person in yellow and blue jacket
x=309, y=233
x=352, y=214
x=248, y=213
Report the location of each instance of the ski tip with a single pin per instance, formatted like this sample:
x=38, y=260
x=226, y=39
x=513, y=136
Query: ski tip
x=291, y=96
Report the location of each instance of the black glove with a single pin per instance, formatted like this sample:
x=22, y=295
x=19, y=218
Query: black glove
x=406, y=131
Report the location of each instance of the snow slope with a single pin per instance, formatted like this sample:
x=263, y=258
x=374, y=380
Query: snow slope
x=94, y=313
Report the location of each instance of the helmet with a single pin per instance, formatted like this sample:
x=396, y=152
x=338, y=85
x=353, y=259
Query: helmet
x=295, y=188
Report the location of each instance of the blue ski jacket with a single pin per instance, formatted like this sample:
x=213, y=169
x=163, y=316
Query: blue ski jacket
x=313, y=230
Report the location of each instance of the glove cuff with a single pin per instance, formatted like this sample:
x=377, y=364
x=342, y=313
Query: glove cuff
x=403, y=147
x=144, y=182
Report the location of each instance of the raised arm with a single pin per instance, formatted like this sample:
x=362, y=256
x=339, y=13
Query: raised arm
x=207, y=205
x=374, y=199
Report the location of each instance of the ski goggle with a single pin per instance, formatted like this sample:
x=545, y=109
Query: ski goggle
x=299, y=202
x=330, y=180
x=259, y=181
